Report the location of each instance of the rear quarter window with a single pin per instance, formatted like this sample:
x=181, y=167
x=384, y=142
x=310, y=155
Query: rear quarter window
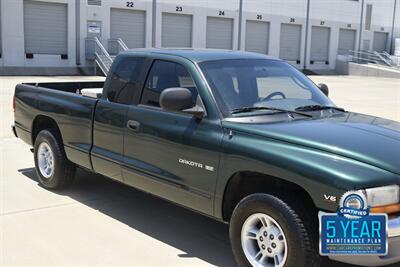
x=124, y=85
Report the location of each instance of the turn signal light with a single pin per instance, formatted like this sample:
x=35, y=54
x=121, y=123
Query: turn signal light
x=389, y=209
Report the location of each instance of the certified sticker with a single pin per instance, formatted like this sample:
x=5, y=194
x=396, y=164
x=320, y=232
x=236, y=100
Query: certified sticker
x=353, y=230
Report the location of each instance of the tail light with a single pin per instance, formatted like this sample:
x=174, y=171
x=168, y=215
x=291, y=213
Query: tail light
x=14, y=103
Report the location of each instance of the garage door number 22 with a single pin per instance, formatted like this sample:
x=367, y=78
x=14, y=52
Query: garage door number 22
x=130, y=4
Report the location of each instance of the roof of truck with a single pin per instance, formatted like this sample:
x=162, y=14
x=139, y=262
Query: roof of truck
x=199, y=55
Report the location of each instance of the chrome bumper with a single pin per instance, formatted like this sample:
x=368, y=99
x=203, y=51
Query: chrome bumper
x=393, y=255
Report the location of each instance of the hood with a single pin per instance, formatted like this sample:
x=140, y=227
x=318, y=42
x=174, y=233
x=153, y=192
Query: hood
x=368, y=139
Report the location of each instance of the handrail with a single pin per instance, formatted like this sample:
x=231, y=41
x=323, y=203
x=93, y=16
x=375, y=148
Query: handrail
x=120, y=45
x=96, y=51
x=103, y=50
x=385, y=59
x=371, y=57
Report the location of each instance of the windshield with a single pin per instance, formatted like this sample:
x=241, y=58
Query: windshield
x=240, y=83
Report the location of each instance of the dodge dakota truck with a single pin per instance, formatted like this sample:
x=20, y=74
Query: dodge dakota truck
x=241, y=137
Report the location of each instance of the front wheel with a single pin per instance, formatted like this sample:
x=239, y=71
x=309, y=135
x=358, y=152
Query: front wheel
x=266, y=232
x=53, y=169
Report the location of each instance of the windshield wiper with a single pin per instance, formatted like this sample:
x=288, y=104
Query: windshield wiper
x=318, y=107
x=250, y=109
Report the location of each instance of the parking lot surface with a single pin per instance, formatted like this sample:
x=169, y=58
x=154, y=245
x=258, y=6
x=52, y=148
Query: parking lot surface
x=98, y=222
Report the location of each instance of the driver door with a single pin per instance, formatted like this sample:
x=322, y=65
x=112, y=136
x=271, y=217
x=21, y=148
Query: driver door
x=171, y=155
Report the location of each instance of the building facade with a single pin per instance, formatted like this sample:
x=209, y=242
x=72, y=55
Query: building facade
x=308, y=33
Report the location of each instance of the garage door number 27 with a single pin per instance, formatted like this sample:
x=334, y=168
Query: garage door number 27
x=130, y=4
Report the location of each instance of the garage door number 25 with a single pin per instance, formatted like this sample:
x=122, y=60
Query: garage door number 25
x=130, y=4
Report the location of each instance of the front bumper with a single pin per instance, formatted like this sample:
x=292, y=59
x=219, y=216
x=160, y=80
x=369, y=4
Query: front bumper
x=393, y=255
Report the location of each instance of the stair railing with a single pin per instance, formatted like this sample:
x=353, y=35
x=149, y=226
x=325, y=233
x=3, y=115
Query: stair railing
x=95, y=51
x=116, y=46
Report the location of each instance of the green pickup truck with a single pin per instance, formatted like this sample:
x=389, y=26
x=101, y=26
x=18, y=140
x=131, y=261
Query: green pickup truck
x=241, y=137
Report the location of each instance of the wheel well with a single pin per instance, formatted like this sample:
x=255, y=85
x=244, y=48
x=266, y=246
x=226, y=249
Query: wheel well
x=242, y=184
x=42, y=122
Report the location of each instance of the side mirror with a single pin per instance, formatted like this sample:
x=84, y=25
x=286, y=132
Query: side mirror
x=324, y=88
x=179, y=99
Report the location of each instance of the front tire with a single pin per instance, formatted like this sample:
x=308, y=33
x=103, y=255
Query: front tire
x=53, y=169
x=266, y=232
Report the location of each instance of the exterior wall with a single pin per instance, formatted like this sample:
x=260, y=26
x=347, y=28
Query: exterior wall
x=335, y=14
x=276, y=12
x=13, y=53
x=200, y=10
x=103, y=14
x=382, y=19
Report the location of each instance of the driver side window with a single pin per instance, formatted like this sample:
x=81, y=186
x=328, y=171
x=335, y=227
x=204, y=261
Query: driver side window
x=163, y=75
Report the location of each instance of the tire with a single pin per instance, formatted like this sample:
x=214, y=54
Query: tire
x=54, y=171
x=295, y=248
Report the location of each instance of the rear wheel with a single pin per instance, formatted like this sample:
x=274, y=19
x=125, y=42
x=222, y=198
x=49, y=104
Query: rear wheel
x=53, y=169
x=266, y=232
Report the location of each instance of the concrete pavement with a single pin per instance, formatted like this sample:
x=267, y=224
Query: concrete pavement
x=98, y=222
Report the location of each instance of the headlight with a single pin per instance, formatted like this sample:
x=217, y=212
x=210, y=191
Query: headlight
x=383, y=196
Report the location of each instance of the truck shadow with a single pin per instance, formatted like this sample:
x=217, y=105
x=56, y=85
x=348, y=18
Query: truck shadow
x=198, y=236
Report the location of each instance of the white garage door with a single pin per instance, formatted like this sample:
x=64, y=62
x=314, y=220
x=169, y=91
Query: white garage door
x=320, y=38
x=219, y=33
x=45, y=28
x=347, y=41
x=129, y=25
x=257, y=36
x=290, y=42
x=176, y=30
x=380, y=41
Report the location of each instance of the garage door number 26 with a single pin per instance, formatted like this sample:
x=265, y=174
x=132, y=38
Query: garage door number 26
x=130, y=4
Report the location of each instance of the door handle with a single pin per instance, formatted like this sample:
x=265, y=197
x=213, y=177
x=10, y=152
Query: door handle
x=133, y=125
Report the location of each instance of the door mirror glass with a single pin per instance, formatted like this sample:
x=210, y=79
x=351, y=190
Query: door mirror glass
x=179, y=99
x=324, y=88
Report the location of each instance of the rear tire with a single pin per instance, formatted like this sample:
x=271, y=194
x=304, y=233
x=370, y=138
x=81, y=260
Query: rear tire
x=53, y=169
x=255, y=218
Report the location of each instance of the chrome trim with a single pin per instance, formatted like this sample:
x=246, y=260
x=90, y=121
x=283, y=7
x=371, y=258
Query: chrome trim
x=394, y=227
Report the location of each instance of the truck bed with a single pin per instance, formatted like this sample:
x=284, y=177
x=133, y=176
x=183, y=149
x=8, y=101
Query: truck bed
x=70, y=87
x=62, y=102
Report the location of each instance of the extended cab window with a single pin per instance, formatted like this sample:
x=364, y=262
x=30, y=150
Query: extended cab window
x=163, y=75
x=124, y=85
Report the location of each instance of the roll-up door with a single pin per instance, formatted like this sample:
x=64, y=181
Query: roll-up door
x=219, y=33
x=380, y=41
x=45, y=28
x=290, y=42
x=347, y=41
x=176, y=30
x=257, y=36
x=129, y=25
x=320, y=38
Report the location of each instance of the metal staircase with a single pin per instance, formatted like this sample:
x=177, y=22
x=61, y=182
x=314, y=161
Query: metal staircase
x=96, y=52
x=372, y=57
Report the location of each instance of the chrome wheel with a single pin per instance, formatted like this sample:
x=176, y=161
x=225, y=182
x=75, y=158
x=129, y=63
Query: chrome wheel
x=45, y=160
x=263, y=241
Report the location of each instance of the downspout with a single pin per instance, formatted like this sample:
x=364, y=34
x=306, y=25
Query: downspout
x=306, y=38
x=78, y=32
x=394, y=19
x=361, y=26
x=154, y=21
x=240, y=24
